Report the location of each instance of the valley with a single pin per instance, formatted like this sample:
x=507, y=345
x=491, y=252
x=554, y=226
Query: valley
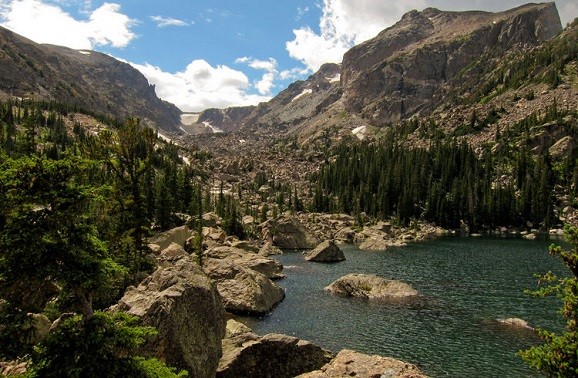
x=454, y=131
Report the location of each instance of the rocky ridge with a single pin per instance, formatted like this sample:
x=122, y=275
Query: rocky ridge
x=87, y=79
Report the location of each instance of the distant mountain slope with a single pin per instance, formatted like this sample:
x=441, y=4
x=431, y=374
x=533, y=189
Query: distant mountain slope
x=411, y=69
x=88, y=79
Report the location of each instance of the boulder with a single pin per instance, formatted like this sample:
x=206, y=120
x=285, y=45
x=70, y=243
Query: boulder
x=349, y=363
x=245, y=246
x=173, y=252
x=269, y=249
x=13, y=368
x=211, y=220
x=248, y=355
x=37, y=328
x=371, y=287
x=244, y=290
x=327, y=251
x=288, y=233
x=515, y=322
x=562, y=147
x=184, y=306
x=178, y=235
x=270, y=268
x=374, y=244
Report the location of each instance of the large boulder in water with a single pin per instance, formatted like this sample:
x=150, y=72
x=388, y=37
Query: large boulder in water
x=244, y=290
x=349, y=363
x=371, y=287
x=248, y=355
x=327, y=251
x=184, y=306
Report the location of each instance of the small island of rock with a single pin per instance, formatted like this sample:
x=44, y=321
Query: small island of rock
x=371, y=287
x=327, y=251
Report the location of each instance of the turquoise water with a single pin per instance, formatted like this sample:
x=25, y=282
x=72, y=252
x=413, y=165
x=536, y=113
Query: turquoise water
x=466, y=283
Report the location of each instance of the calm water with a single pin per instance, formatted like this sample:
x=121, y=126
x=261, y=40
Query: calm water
x=467, y=282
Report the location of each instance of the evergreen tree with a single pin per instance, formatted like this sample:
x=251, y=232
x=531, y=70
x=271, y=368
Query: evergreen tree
x=558, y=356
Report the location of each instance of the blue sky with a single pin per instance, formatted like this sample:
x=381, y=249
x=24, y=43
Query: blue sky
x=202, y=54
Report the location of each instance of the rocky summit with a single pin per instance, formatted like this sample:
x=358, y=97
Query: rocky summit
x=408, y=69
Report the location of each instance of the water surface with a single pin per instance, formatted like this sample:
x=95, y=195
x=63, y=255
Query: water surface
x=466, y=284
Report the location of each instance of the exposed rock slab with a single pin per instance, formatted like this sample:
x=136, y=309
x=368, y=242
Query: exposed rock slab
x=270, y=268
x=516, y=323
x=327, y=251
x=371, y=287
x=248, y=355
x=269, y=249
x=178, y=235
x=349, y=363
x=244, y=290
x=288, y=233
x=184, y=306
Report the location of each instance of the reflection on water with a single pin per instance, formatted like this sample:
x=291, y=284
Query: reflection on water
x=466, y=284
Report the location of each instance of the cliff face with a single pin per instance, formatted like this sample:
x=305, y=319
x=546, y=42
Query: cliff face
x=226, y=120
x=299, y=103
x=88, y=79
x=410, y=67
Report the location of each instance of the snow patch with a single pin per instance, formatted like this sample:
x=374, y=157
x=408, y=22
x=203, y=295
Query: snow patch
x=359, y=132
x=214, y=128
x=334, y=79
x=84, y=52
x=188, y=119
x=304, y=93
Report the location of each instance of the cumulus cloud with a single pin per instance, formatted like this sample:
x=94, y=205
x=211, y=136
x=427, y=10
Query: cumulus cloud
x=344, y=24
x=266, y=83
x=45, y=23
x=163, y=22
x=201, y=86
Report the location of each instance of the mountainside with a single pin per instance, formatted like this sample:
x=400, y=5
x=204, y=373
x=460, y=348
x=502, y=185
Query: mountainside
x=410, y=69
x=225, y=120
x=87, y=79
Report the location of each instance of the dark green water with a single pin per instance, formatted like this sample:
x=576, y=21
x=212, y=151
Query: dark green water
x=467, y=282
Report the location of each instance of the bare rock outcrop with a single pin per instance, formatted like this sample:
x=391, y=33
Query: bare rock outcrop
x=327, y=251
x=178, y=235
x=184, y=306
x=268, y=249
x=407, y=68
x=515, y=323
x=288, y=233
x=349, y=363
x=244, y=290
x=248, y=355
x=259, y=263
x=371, y=287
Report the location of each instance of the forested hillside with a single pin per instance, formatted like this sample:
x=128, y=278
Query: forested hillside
x=77, y=202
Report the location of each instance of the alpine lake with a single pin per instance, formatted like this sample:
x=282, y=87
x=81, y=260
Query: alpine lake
x=451, y=330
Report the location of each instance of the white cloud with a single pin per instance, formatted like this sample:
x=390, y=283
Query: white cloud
x=163, y=22
x=266, y=84
x=344, y=24
x=201, y=86
x=293, y=73
x=568, y=12
x=45, y=23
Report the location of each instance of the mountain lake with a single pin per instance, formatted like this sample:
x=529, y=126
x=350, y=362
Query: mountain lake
x=451, y=331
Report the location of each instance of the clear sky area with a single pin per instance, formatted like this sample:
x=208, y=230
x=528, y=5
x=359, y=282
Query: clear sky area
x=202, y=54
